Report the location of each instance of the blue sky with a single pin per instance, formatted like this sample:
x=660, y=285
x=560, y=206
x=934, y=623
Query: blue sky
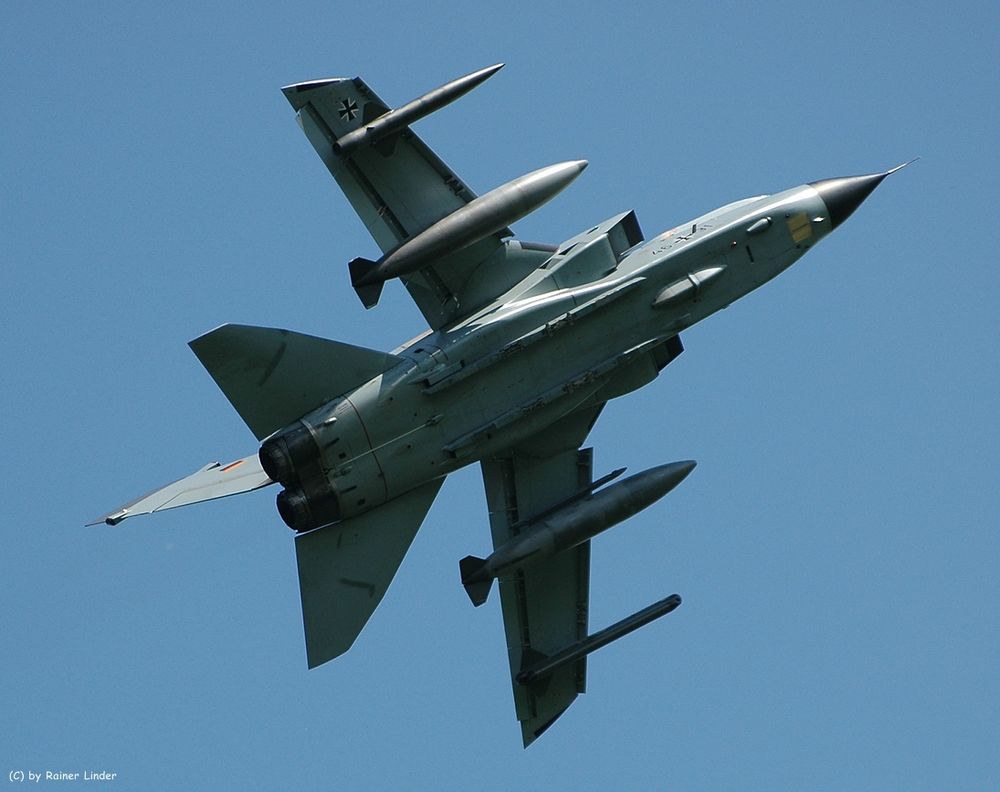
x=836, y=548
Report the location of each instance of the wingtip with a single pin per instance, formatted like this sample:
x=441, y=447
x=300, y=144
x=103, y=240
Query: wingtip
x=112, y=518
x=308, y=85
x=294, y=92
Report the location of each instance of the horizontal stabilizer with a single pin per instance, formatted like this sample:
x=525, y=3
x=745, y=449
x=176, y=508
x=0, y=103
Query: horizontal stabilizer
x=368, y=292
x=477, y=589
x=212, y=481
x=346, y=568
x=273, y=377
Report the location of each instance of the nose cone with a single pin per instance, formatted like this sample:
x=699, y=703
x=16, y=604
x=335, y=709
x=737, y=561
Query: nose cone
x=842, y=196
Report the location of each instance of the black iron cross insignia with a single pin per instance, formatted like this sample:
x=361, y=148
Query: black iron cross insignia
x=348, y=109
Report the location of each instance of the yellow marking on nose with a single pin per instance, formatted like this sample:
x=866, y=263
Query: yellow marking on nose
x=799, y=227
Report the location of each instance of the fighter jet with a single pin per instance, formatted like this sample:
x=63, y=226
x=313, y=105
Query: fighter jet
x=526, y=344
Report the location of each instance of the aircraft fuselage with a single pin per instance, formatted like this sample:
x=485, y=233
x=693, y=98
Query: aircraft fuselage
x=588, y=325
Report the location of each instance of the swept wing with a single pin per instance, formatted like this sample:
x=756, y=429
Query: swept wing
x=213, y=481
x=399, y=187
x=544, y=606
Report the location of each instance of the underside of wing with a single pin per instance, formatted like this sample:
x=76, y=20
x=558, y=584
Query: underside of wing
x=399, y=187
x=545, y=605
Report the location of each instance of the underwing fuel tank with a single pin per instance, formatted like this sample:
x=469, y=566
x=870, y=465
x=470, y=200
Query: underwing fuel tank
x=576, y=521
x=402, y=117
x=481, y=217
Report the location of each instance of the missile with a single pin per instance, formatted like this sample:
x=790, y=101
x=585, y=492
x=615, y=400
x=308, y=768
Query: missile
x=402, y=117
x=538, y=666
x=571, y=524
x=479, y=218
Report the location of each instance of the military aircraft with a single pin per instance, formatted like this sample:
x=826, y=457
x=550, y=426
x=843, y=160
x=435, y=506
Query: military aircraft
x=526, y=344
